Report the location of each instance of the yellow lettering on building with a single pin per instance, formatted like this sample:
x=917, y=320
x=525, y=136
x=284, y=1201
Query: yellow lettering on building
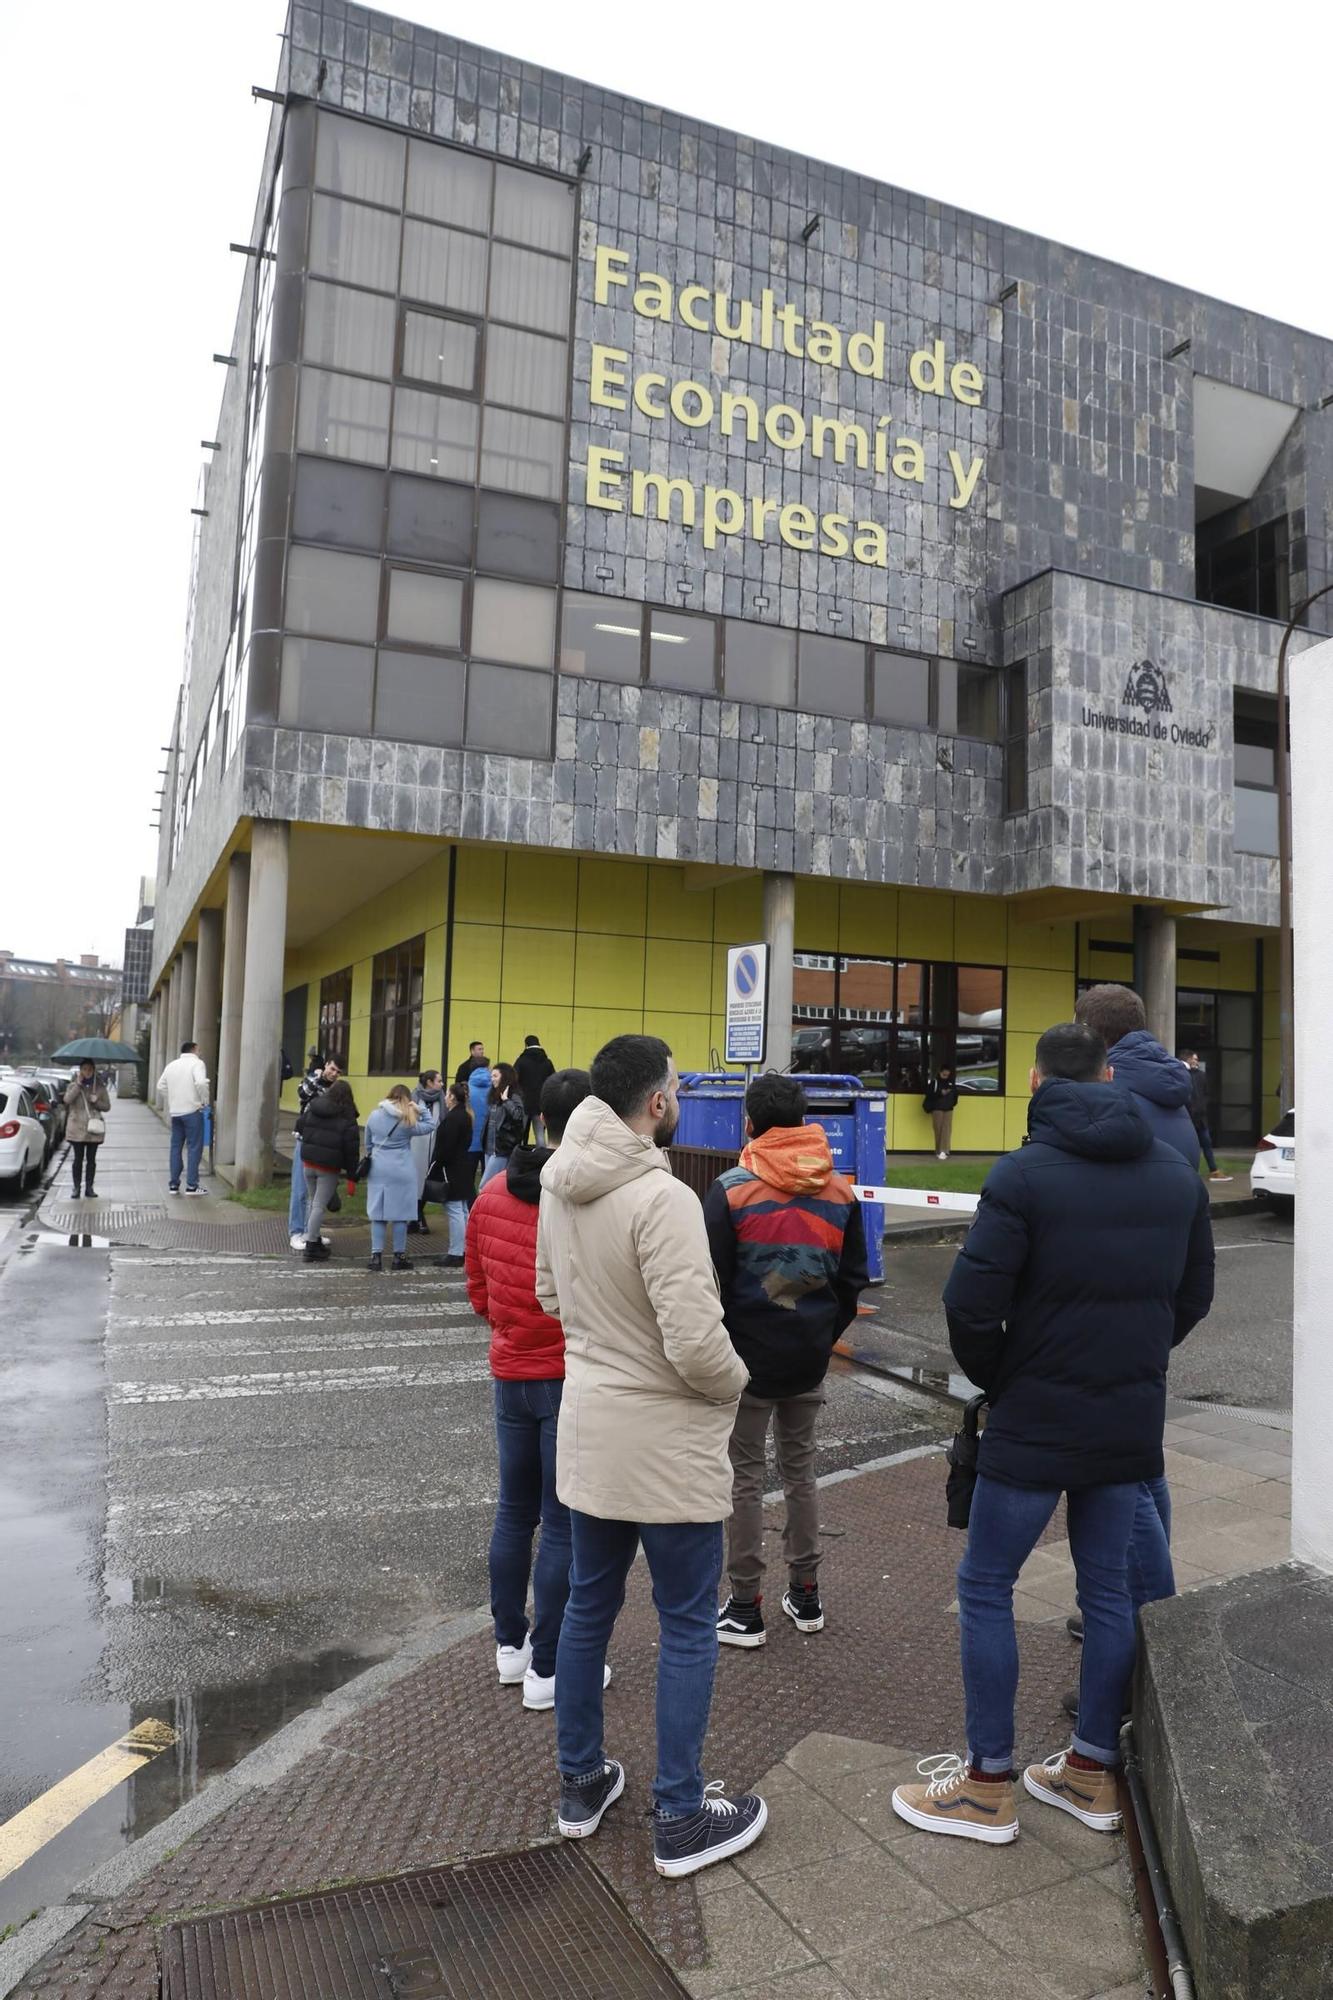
x=964, y=481
x=652, y=296
x=714, y=523
x=609, y=373
x=834, y=541
x=749, y=410
x=784, y=427
x=824, y=344
x=695, y=417
x=796, y=526
x=602, y=479
x=689, y=298
x=663, y=490
x=609, y=268
x=845, y=438
x=909, y=460
x=871, y=545
x=642, y=385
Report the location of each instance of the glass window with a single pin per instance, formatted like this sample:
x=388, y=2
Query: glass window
x=448, y=186
x=358, y=245
x=977, y=1048
x=759, y=664
x=343, y=416
x=533, y=209
x=601, y=637
x=518, y=537
x=332, y=593
x=523, y=454
x=967, y=700
x=902, y=689
x=1256, y=821
x=347, y=329
x=341, y=504
x=514, y=622
x=1255, y=764
x=326, y=687
x=529, y=369
x=359, y=160
x=509, y=710
x=436, y=434
x=397, y=982
x=1016, y=738
x=335, y=1016
x=682, y=651
x=832, y=675
x=427, y=610
x=429, y=520
x=440, y=351
x=529, y=289
x=444, y=268
x=419, y=698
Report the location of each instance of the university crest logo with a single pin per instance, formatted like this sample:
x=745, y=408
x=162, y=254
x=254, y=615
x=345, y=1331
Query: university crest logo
x=1146, y=688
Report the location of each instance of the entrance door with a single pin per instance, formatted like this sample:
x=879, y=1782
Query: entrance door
x=1222, y=1028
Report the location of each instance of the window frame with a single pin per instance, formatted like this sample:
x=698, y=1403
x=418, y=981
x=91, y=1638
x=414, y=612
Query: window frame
x=397, y=1025
x=335, y=1015
x=929, y=1036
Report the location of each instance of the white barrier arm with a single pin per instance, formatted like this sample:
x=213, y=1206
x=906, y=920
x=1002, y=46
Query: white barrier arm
x=895, y=1197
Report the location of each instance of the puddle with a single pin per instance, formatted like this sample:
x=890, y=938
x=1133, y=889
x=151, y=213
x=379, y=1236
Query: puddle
x=949, y=1385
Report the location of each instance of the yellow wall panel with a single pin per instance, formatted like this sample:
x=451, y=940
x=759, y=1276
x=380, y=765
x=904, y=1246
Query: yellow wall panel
x=738, y=912
x=613, y=896
x=476, y=966
x=686, y=1035
x=1015, y=1122
x=479, y=885
x=912, y=1129
x=816, y=917
x=541, y=889
x=1235, y=972
x=1048, y=947
x=554, y=1026
x=475, y=1021
x=594, y=1026
x=1020, y=1047
x=609, y=973
x=679, y=976
x=1037, y=999
x=432, y=1032
x=432, y=985
x=538, y=966
x=980, y=930
x=675, y=911
x=978, y=1125
x=925, y=923
x=868, y=919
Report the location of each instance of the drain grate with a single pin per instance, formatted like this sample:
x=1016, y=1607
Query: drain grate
x=538, y=1925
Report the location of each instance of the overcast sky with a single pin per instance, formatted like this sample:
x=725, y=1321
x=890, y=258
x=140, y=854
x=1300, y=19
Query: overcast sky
x=1189, y=141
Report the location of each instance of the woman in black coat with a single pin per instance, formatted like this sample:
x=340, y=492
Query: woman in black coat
x=330, y=1136
x=453, y=1168
x=940, y=1101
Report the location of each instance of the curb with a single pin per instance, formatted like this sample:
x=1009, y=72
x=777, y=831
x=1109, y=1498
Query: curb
x=263, y=1766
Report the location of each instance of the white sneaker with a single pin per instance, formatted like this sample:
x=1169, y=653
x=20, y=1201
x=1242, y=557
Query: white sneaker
x=941, y=1156
x=539, y=1691
x=298, y=1241
x=512, y=1663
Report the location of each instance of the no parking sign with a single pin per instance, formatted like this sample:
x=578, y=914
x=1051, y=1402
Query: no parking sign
x=747, y=1002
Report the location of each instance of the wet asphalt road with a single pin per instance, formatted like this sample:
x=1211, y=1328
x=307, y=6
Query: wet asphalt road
x=233, y=1483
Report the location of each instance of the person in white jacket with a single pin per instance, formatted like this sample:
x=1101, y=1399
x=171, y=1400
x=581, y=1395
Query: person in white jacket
x=183, y=1089
x=652, y=1382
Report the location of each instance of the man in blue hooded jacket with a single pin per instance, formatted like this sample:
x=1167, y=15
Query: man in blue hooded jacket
x=1090, y=1258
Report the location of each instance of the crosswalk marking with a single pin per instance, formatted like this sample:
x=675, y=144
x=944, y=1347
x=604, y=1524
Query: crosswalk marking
x=289, y=1315
x=295, y=1382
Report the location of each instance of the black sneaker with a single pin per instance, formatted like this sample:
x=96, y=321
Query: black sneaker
x=317, y=1253
x=801, y=1603
x=1074, y=1626
x=78, y=1192
x=741, y=1624
x=584, y=1800
x=375, y=1261
x=400, y=1262
x=721, y=1827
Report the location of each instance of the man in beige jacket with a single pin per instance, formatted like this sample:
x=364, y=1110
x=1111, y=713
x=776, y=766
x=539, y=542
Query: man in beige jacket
x=652, y=1382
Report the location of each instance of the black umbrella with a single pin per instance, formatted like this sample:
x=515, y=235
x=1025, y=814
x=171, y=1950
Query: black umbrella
x=95, y=1048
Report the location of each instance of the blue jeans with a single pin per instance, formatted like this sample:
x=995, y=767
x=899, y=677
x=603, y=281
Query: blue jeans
x=187, y=1136
x=685, y=1563
x=525, y=1425
x=456, y=1216
x=1007, y=1522
x=299, y=1205
x=377, y=1230
x=496, y=1163
x=1150, y=1573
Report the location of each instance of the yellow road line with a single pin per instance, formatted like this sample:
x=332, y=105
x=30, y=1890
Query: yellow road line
x=59, y=1807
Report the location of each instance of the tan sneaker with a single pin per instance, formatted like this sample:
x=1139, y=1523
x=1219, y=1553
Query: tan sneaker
x=1090, y=1795
x=952, y=1802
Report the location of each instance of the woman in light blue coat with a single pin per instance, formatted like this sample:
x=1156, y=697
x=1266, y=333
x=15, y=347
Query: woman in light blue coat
x=392, y=1199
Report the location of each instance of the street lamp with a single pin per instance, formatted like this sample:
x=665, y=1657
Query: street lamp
x=1285, y=973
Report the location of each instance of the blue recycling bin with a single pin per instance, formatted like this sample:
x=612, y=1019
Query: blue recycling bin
x=712, y=1117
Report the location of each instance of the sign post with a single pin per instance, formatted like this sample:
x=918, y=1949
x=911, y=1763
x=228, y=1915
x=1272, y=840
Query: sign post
x=747, y=1003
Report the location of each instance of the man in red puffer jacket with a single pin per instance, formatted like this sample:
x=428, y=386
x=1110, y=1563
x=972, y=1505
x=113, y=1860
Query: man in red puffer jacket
x=528, y=1363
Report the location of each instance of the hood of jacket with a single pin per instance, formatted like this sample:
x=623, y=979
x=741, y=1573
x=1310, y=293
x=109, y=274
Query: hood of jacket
x=1094, y=1120
x=794, y=1159
x=523, y=1175
x=319, y=1108
x=599, y=1153
x=394, y=1111
x=1142, y=1065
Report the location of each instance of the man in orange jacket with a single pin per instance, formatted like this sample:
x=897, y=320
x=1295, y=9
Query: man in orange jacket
x=789, y=1249
x=528, y=1364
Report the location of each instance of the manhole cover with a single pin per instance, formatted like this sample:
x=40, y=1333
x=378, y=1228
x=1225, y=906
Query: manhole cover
x=540, y=1925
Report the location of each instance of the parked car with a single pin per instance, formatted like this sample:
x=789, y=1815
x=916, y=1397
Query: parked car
x=22, y=1138
x=1273, y=1175
x=47, y=1091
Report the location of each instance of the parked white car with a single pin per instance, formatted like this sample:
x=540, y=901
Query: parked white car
x=1273, y=1175
x=22, y=1139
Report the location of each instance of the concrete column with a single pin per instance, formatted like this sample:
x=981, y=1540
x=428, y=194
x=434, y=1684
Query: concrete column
x=171, y=1014
x=208, y=990
x=1312, y=884
x=235, y=916
x=186, y=974
x=261, y=1004
x=780, y=937
x=1155, y=970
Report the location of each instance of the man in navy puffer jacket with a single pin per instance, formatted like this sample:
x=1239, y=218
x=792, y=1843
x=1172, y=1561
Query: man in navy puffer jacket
x=1160, y=1084
x=1091, y=1257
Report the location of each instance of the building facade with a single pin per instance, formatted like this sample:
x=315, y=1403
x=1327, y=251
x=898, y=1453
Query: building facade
x=623, y=539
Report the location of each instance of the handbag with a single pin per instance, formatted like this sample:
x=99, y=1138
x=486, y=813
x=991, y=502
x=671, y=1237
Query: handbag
x=961, y=1482
x=362, y=1168
x=94, y=1128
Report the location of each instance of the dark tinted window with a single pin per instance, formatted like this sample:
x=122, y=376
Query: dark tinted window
x=1286, y=1126
x=831, y=676
x=902, y=689
x=326, y=686
x=430, y=519
x=518, y=537
x=759, y=664
x=419, y=698
x=509, y=709
x=339, y=504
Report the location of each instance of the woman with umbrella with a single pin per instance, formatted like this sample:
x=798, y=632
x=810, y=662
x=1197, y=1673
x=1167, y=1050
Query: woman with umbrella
x=86, y=1106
